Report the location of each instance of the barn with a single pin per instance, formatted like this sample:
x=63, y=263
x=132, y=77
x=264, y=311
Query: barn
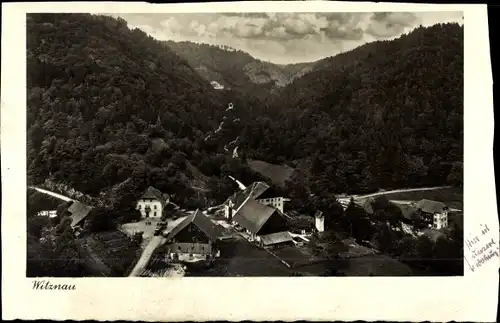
x=258, y=219
x=193, y=239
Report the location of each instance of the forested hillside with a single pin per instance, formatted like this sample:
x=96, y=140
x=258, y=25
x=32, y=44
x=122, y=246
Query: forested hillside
x=106, y=104
x=387, y=114
x=113, y=110
x=237, y=70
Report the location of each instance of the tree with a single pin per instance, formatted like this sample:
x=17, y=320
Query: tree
x=456, y=175
x=36, y=224
x=356, y=222
x=99, y=220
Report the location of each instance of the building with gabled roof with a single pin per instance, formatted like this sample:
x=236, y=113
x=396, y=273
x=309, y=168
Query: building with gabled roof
x=259, y=191
x=152, y=202
x=429, y=206
x=194, y=238
x=79, y=212
x=434, y=213
x=259, y=219
x=276, y=239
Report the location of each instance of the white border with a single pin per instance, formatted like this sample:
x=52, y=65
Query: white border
x=469, y=298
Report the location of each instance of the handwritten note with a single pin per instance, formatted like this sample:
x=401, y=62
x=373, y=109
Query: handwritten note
x=482, y=247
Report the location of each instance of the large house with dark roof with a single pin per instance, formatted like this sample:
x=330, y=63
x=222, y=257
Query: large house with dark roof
x=152, y=202
x=258, y=219
x=258, y=191
x=193, y=239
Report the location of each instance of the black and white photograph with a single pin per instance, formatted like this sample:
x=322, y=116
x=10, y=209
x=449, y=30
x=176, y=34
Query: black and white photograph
x=245, y=144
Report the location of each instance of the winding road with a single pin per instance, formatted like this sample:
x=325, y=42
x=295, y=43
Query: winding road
x=358, y=197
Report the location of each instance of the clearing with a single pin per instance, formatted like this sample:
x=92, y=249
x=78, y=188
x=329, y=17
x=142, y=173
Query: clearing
x=278, y=174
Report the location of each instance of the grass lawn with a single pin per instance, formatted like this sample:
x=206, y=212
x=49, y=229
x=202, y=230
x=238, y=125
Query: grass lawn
x=294, y=256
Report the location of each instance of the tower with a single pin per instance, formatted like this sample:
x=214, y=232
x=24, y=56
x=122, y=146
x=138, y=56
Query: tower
x=319, y=221
x=228, y=211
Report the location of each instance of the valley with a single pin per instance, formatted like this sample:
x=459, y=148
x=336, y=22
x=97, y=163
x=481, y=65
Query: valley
x=112, y=111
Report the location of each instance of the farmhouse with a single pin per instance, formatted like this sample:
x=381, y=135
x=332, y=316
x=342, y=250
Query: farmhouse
x=433, y=213
x=152, y=202
x=259, y=191
x=193, y=239
x=258, y=219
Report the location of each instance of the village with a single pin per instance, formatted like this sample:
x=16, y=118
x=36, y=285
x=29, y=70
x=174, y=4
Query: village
x=251, y=234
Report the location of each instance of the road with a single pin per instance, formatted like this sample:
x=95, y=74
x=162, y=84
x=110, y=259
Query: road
x=56, y=195
x=155, y=242
x=146, y=255
x=357, y=197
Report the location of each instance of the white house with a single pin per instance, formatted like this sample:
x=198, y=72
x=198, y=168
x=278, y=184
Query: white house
x=440, y=220
x=434, y=213
x=50, y=214
x=152, y=203
x=276, y=202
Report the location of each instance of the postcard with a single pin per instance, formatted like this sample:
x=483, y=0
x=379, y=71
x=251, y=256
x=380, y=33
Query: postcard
x=248, y=161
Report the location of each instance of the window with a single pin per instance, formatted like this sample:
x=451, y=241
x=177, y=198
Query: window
x=154, y=214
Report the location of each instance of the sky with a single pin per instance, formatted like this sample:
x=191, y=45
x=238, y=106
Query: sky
x=285, y=38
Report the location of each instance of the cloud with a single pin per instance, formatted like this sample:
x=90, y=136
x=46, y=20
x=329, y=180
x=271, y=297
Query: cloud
x=282, y=37
x=389, y=24
x=171, y=26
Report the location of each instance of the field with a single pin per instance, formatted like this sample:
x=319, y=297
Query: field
x=241, y=258
x=278, y=174
x=374, y=265
x=113, y=249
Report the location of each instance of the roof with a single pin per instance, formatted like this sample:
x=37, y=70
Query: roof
x=258, y=188
x=275, y=238
x=253, y=191
x=406, y=209
x=202, y=222
x=79, y=211
x=367, y=205
x=429, y=206
x=252, y=215
x=318, y=214
x=153, y=193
